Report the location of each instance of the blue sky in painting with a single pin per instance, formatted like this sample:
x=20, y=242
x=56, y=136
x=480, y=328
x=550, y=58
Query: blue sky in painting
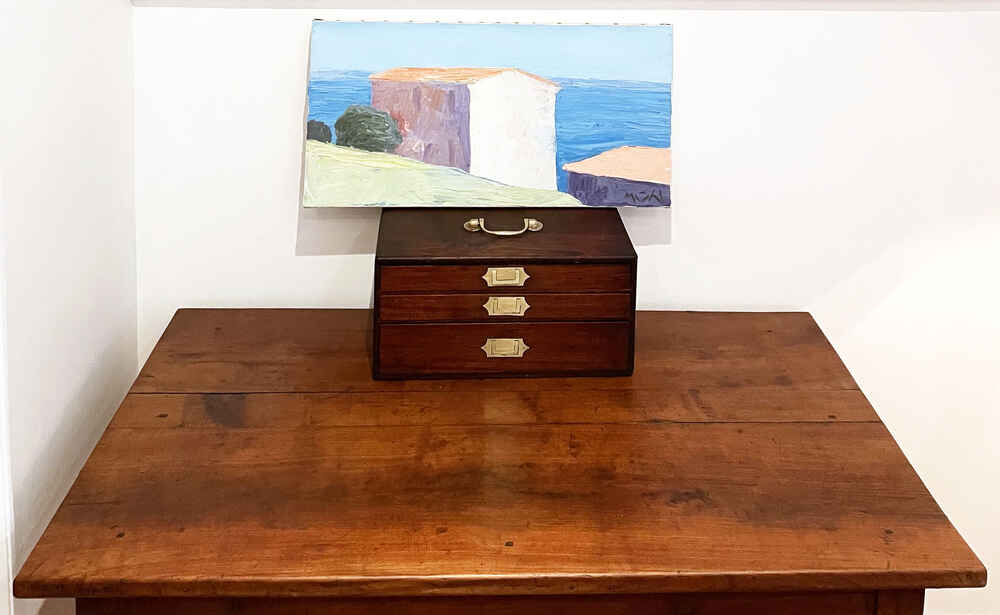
x=629, y=53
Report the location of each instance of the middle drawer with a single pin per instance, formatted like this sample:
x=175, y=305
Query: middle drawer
x=500, y=307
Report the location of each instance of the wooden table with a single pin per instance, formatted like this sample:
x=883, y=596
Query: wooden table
x=255, y=467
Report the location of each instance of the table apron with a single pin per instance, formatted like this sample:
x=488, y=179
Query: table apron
x=887, y=602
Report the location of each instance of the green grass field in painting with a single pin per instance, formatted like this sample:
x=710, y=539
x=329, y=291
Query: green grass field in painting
x=339, y=176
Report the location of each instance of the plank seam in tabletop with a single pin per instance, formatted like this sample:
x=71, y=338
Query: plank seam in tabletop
x=540, y=423
x=328, y=409
x=212, y=351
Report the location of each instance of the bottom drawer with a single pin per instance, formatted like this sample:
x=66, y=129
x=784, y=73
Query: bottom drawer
x=457, y=349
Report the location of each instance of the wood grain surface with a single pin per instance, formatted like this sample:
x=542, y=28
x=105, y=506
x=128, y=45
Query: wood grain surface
x=543, y=278
x=419, y=235
x=459, y=307
x=456, y=348
x=255, y=457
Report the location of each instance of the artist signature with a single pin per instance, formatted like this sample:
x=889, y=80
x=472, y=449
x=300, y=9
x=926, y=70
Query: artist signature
x=646, y=197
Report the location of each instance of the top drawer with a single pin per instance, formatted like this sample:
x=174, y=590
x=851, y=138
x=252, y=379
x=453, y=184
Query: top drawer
x=565, y=278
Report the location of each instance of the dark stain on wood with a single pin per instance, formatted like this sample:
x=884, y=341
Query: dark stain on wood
x=690, y=495
x=225, y=410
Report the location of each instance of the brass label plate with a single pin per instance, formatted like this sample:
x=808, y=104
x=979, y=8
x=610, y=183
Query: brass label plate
x=505, y=276
x=506, y=306
x=505, y=347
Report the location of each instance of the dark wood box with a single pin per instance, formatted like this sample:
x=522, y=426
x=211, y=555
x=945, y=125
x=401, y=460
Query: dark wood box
x=447, y=298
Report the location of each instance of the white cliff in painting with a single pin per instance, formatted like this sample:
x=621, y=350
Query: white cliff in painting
x=512, y=128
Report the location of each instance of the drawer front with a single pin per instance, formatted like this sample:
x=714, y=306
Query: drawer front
x=499, y=307
x=407, y=350
x=465, y=278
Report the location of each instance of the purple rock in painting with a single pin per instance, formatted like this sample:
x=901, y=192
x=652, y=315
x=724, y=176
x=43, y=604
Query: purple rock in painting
x=629, y=175
x=600, y=190
x=432, y=117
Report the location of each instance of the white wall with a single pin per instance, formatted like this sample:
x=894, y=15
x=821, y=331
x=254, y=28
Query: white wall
x=6, y=491
x=67, y=151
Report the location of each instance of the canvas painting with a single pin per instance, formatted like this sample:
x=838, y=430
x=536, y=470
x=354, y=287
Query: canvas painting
x=432, y=114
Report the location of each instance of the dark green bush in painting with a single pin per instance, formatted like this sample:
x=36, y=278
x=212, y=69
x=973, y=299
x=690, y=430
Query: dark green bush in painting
x=318, y=131
x=367, y=128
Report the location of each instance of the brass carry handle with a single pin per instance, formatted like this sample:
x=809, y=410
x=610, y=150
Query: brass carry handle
x=479, y=224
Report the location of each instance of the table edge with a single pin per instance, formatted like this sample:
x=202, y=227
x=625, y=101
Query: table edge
x=503, y=585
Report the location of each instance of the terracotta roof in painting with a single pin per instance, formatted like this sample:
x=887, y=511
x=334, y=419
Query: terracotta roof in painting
x=450, y=75
x=638, y=163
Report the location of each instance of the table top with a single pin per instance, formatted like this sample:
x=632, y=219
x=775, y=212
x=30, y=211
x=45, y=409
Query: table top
x=255, y=456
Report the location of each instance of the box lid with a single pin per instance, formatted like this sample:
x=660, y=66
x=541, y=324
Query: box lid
x=569, y=235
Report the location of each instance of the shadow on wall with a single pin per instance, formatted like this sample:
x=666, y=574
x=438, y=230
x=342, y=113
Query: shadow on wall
x=345, y=230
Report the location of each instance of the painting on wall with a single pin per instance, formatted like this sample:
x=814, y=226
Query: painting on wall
x=439, y=115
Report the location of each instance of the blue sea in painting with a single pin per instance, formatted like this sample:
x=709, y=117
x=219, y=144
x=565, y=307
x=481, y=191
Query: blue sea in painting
x=592, y=115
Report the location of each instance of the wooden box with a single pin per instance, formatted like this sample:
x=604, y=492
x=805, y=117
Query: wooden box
x=452, y=302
